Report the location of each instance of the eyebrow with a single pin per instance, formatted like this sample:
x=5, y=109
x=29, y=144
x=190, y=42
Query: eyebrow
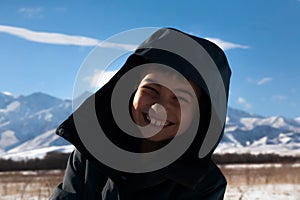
x=149, y=80
x=185, y=91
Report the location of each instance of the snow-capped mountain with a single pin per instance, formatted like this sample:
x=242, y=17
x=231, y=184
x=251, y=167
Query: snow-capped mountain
x=250, y=133
x=28, y=123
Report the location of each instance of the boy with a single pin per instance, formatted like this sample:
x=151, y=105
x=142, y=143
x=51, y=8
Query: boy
x=171, y=107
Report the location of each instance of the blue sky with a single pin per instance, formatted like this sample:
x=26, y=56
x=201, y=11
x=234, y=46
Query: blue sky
x=44, y=43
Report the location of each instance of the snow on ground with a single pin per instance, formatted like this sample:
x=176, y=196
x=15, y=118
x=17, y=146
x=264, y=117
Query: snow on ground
x=259, y=166
x=38, y=185
x=257, y=192
x=262, y=181
x=264, y=192
x=256, y=148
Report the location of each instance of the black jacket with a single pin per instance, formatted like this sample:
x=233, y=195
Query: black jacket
x=189, y=177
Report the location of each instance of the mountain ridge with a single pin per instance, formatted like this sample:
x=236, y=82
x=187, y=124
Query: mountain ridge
x=27, y=123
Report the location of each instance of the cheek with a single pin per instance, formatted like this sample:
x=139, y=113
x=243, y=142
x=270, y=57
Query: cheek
x=140, y=101
x=135, y=101
x=187, y=111
x=187, y=117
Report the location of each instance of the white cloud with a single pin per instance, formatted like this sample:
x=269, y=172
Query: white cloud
x=227, y=45
x=99, y=78
x=260, y=81
x=7, y=93
x=60, y=39
x=31, y=12
x=279, y=97
x=263, y=80
x=242, y=101
x=64, y=39
x=224, y=45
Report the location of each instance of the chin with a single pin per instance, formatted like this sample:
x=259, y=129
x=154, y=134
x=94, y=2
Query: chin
x=156, y=139
x=160, y=137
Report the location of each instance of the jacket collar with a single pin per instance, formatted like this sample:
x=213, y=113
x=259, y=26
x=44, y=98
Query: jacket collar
x=181, y=172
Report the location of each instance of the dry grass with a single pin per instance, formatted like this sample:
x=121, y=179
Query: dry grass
x=244, y=182
x=271, y=181
x=262, y=174
x=29, y=184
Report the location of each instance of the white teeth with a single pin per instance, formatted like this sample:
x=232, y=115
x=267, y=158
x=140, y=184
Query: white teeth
x=156, y=122
x=159, y=123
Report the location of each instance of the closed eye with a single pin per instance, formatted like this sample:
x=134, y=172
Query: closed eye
x=152, y=89
x=183, y=99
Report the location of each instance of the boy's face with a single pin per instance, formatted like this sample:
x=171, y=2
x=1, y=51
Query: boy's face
x=154, y=102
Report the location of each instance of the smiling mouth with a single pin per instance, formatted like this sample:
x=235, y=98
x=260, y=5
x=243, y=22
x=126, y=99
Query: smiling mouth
x=156, y=122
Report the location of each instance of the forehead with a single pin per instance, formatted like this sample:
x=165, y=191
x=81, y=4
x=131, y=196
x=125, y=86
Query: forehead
x=165, y=77
x=174, y=82
x=168, y=77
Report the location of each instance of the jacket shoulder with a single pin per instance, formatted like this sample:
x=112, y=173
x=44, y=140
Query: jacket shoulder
x=213, y=184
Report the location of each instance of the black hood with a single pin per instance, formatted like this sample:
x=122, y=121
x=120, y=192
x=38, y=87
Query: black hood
x=179, y=51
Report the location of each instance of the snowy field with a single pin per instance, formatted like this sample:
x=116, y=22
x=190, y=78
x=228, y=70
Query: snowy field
x=263, y=181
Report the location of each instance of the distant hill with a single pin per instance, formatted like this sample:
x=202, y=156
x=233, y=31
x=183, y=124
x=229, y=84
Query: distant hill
x=27, y=125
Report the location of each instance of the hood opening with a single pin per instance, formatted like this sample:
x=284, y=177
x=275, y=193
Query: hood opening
x=147, y=54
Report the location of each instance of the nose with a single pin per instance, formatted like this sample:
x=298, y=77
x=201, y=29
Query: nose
x=158, y=111
x=158, y=108
x=167, y=99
